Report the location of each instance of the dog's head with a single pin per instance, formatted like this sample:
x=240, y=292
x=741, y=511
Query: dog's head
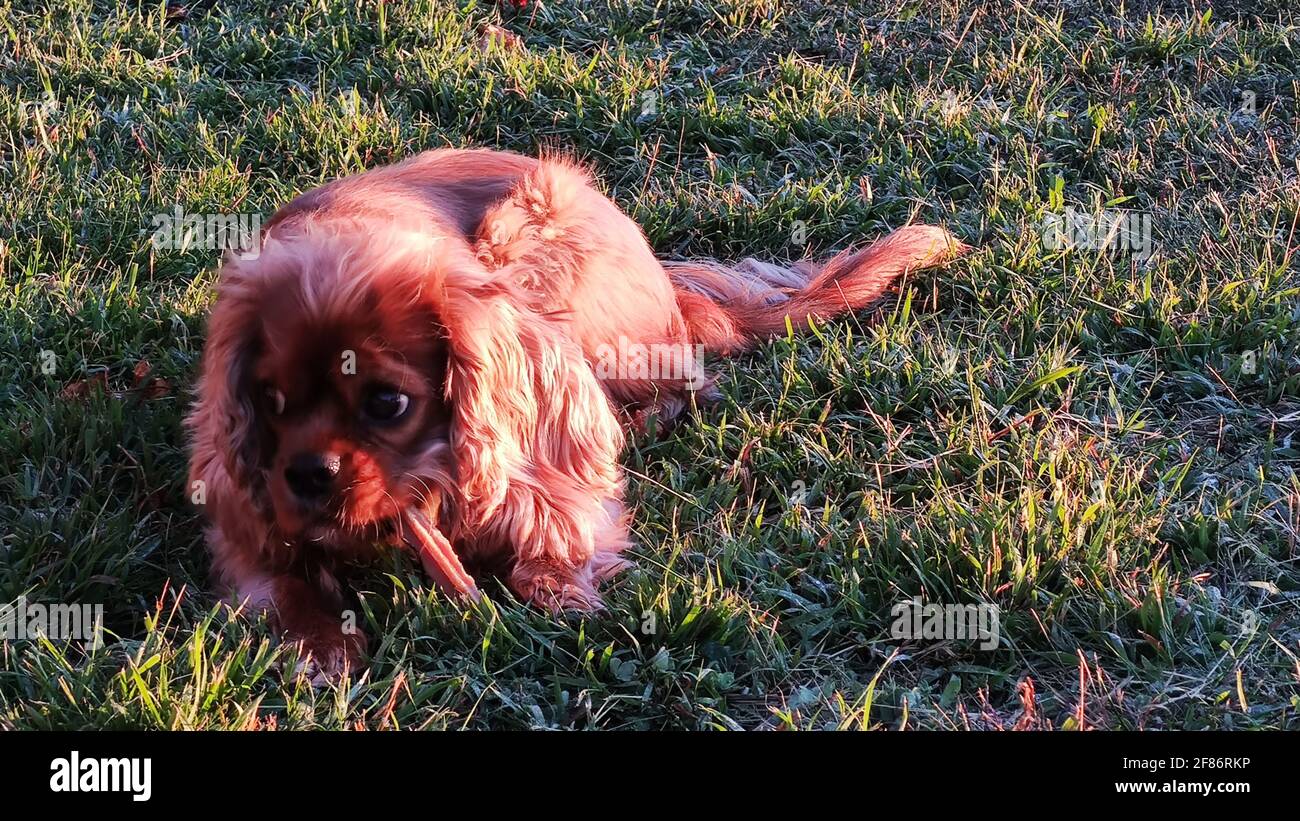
x=326, y=373
x=352, y=373
x=351, y=413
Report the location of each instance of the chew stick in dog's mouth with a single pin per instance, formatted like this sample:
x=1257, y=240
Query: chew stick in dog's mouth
x=436, y=554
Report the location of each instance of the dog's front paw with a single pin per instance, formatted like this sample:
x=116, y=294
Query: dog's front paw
x=324, y=659
x=555, y=587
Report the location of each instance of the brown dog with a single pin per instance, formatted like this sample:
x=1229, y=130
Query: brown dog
x=448, y=346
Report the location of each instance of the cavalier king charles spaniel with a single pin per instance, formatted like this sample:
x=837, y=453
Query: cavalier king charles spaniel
x=420, y=355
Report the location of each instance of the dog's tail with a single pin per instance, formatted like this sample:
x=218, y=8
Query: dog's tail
x=727, y=308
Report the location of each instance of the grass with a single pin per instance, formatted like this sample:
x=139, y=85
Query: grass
x=1102, y=446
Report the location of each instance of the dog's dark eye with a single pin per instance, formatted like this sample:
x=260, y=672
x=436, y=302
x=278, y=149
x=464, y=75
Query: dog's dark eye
x=385, y=404
x=275, y=399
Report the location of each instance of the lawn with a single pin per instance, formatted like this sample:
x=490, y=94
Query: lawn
x=1101, y=443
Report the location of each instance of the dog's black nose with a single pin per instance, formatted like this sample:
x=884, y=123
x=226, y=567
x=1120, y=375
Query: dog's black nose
x=311, y=475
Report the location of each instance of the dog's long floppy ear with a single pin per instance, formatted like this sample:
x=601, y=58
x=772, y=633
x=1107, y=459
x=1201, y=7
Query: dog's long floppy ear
x=536, y=444
x=223, y=422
